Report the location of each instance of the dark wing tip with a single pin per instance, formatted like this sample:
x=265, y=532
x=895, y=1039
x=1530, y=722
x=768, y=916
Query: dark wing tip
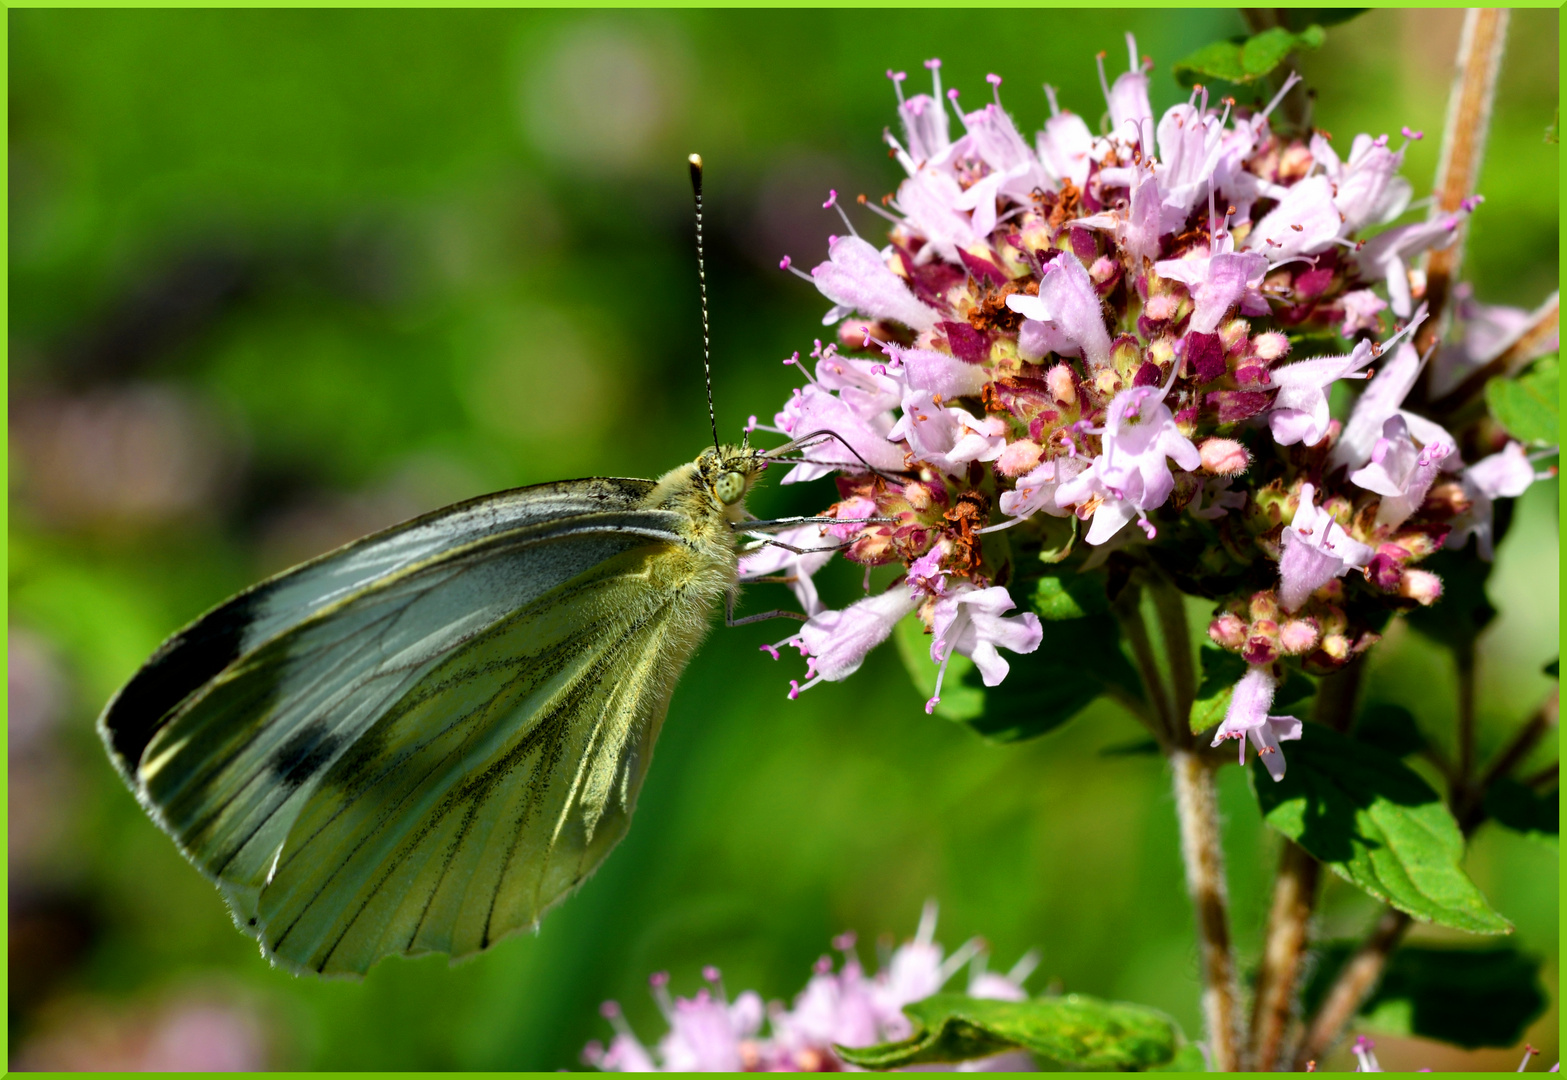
x=181, y=666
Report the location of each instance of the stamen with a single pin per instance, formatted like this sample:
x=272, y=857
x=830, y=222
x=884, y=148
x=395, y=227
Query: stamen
x=787, y=264
x=995, y=87
x=897, y=78
x=770, y=650
x=832, y=201
x=1050, y=96
x=794, y=689
x=1289, y=84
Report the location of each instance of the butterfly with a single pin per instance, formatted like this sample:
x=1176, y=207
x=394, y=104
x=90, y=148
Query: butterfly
x=423, y=740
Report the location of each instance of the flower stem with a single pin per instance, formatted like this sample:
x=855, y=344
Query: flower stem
x=1464, y=654
x=1357, y=979
x=1294, y=897
x=1128, y=610
x=1463, y=150
x=1197, y=805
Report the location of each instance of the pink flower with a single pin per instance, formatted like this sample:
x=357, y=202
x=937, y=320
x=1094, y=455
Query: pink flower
x=1189, y=146
x=1487, y=330
x=1130, y=113
x=948, y=438
x=1300, y=411
x=924, y=118
x=1506, y=474
x=1036, y=490
x=1217, y=283
x=1386, y=255
x=929, y=202
x=855, y=277
x=835, y=643
x=1067, y=301
x=1139, y=434
x=815, y=409
x=1360, y=311
x=706, y=1032
x=773, y=560
x=1014, y=171
x=968, y=620
x=1304, y=222
x=940, y=373
x=1247, y=718
x=1368, y=189
x=1065, y=146
x=1400, y=472
x=1316, y=550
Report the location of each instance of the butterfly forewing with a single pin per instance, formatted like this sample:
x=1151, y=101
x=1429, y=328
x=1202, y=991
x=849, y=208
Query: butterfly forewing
x=419, y=742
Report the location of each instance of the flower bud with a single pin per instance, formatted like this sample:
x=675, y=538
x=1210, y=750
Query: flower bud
x=1270, y=346
x=1297, y=636
x=1262, y=647
x=918, y=495
x=1264, y=605
x=1224, y=457
x=1384, y=571
x=1421, y=586
x=1228, y=631
x=1019, y=457
x=1062, y=386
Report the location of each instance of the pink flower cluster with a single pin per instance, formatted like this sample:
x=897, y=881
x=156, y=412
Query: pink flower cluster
x=840, y=1006
x=1139, y=328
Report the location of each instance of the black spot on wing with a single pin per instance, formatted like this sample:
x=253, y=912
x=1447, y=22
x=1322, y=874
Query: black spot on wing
x=305, y=753
x=181, y=666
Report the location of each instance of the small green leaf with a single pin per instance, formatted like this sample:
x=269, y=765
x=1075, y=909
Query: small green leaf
x=1527, y=407
x=1536, y=814
x=1220, y=672
x=1468, y=997
x=1389, y=727
x=1377, y=824
x=1074, y=664
x=1073, y=1031
x=1058, y=597
x=1245, y=60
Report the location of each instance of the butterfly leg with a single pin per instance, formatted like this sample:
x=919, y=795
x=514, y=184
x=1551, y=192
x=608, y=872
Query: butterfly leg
x=729, y=612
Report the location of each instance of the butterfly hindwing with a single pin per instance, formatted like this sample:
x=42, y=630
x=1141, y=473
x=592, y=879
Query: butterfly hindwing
x=422, y=740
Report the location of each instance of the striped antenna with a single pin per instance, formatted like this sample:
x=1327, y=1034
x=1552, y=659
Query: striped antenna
x=701, y=277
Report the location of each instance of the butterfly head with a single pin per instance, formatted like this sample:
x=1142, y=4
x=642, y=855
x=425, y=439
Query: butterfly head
x=729, y=471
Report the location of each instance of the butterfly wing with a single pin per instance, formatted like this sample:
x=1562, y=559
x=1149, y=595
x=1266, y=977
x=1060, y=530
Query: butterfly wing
x=420, y=742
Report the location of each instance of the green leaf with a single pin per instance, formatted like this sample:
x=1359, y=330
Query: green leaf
x=1074, y=664
x=1245, y=60
x=1469, y=997
x=1074, y=1031
x=1058, y=597
x=1389, y=727
x=1527, y=406
x=1132, y=748
x=1536, y=814
x=1377, y=824
x=1220, y=672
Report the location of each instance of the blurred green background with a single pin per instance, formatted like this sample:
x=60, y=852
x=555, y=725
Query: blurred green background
x=281, y=278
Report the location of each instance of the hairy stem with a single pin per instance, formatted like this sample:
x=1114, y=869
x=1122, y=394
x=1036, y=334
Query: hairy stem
x=1294, y=897
x=1289, y=918
x=1197, y=805
x=1463, y=150
x=1357, y=979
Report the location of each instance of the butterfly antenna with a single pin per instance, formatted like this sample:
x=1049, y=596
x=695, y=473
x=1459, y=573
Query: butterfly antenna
x=701, y=277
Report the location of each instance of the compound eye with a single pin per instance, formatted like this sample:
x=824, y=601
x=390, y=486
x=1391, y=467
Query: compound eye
x=730, y=488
